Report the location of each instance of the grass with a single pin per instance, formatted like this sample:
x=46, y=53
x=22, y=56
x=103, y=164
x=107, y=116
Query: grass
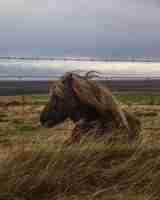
x=36, y=163
x=94, y=169
x=22, y=126
x=139, y=98
x=40, y=99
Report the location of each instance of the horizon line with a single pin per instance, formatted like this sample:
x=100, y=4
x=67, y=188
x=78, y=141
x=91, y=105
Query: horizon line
x=76, y=58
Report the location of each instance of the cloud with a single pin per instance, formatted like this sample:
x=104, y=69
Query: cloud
x=88, y=27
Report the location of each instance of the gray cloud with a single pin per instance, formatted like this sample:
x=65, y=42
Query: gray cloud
x=80, y=27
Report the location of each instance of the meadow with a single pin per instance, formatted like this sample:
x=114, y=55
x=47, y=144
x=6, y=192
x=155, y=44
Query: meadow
x=36, y=163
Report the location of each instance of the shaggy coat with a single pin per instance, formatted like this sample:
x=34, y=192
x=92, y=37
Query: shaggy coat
x=89, y=105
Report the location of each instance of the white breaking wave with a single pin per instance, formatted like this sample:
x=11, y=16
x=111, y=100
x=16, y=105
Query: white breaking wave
x=44, y=68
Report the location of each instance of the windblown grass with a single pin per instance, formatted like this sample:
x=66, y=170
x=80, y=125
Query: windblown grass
x=39, y=165
x=139, y=98
x=93, y=169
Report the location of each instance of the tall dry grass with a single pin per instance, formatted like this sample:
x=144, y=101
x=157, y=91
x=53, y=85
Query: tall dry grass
x=109, y=169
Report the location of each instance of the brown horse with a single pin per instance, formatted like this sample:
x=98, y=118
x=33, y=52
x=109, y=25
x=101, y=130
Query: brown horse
x=89, y=105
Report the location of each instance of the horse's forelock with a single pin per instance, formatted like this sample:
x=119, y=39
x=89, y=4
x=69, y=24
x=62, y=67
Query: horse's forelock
x=57, y=89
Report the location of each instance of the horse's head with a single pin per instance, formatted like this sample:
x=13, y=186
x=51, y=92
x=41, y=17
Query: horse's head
x=61, y=102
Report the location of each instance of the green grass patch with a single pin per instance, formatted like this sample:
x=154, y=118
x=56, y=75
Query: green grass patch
x=142, y=98
x=138, y=98
x=22, y=126
x=39, y=99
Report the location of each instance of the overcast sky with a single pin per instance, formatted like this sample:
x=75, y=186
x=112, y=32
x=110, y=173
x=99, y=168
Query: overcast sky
x=80, y=28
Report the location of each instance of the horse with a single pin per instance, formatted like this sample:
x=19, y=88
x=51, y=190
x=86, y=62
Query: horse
x=91, y=106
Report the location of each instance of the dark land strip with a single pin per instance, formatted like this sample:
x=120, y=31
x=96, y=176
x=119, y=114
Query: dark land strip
x=11, y=88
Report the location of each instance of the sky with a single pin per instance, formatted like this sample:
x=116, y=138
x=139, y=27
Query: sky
x=98, y=28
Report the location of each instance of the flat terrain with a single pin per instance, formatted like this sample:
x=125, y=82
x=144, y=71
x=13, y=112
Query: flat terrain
x=42, y=87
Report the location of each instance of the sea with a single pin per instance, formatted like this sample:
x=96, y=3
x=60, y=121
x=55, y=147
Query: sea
x=48, y=69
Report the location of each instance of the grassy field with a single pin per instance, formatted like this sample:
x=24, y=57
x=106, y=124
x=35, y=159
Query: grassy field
x=36, y=163
x=129, y=98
